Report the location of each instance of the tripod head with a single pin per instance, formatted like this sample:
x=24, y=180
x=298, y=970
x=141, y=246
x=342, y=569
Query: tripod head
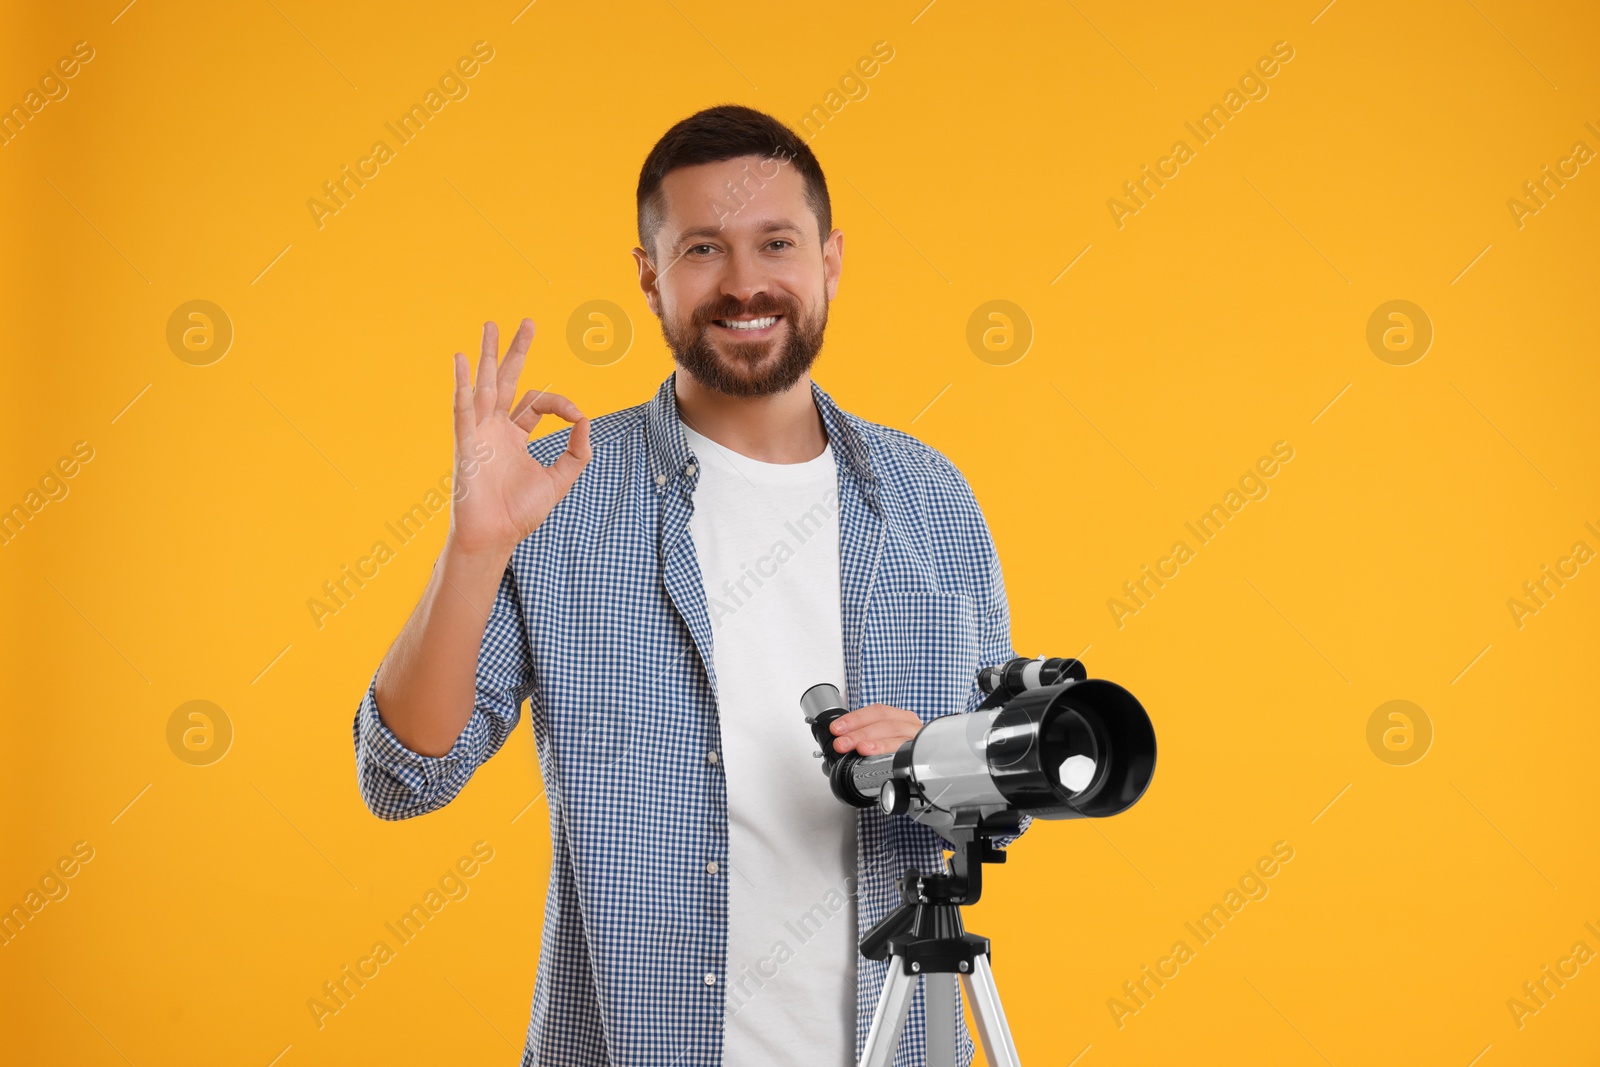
x=925, y=929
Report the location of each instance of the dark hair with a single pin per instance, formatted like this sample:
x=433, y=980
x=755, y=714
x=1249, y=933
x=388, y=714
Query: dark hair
x=713, y=135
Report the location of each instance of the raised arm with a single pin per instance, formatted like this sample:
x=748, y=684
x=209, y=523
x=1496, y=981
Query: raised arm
x=424, y=694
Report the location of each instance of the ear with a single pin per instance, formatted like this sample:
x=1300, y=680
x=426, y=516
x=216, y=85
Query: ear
x=832, y=262
x=647, y=281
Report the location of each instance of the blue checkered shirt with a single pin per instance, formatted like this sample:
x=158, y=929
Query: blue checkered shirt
x=600, y=623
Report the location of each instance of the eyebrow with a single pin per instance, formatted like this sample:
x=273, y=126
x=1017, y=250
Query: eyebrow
x=716, y=231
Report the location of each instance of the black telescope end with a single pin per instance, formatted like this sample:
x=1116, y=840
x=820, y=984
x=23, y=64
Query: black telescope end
x=1094, y=727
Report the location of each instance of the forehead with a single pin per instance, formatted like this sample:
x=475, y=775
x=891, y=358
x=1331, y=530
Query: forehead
x=747, y=193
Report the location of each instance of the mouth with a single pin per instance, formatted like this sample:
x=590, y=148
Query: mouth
x=753, y=326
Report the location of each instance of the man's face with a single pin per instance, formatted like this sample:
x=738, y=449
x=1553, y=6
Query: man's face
x=739, y=276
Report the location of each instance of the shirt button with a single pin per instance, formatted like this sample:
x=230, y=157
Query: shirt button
x=712, y=868
x=689, y=470
x=661, y=479
x=711, y=757
x=711, y=979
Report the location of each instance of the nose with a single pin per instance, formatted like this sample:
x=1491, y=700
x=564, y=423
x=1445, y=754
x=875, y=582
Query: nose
x=743, y=278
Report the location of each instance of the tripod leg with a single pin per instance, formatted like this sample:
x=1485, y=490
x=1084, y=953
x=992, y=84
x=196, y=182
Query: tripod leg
x=939, y=1002
x=990, y=1016
x=890, y=1017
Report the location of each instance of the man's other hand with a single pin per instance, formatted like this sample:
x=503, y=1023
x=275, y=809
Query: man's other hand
x=874, y=729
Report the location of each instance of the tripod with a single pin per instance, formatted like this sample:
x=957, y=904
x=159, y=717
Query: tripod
x=923, y=938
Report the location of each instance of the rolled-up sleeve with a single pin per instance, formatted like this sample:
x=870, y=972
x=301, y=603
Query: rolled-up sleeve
x=398, y=783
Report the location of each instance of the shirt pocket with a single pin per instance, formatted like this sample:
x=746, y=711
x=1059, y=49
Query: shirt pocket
x=919, y=651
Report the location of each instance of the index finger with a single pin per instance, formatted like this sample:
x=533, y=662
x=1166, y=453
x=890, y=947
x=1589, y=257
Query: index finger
x=540, y=404
x=870, y=714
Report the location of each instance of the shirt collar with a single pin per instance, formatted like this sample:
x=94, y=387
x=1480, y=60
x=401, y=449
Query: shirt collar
x=669, y=452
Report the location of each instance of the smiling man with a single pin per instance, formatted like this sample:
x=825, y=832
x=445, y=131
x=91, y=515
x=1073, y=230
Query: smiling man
x=661, y=586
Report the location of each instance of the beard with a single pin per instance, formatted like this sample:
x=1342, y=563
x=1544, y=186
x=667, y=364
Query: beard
x=747, y=368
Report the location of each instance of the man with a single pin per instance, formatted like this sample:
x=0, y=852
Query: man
x=661, y=593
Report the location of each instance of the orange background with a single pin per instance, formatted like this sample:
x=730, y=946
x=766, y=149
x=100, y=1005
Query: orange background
x=1229, y=313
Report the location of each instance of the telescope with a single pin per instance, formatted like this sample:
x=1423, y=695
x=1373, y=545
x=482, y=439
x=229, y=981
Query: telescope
x=1048, y=742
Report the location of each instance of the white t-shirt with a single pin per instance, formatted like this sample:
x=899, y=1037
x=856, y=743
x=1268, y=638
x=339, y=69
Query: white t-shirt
x=766, y=536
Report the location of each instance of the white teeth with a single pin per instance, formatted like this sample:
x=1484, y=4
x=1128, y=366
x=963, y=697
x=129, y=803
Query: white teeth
x=753, y=324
